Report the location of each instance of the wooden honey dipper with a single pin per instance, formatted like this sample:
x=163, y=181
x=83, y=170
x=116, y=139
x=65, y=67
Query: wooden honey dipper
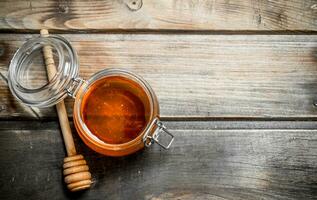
x=76, y=170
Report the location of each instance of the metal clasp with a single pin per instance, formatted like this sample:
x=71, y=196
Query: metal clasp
x=150, y=139
x=73, y=89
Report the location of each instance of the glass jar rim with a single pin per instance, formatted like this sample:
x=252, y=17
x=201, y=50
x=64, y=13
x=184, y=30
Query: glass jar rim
x=108, y=73
x=56, y=88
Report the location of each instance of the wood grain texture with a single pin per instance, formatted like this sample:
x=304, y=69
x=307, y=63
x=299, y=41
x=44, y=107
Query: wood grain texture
x=205, y=162
x=197, y=76
x=155, y=15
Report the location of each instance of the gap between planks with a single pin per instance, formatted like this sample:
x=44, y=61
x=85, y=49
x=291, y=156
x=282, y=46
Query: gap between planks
x=183, y=125
x=167, y=31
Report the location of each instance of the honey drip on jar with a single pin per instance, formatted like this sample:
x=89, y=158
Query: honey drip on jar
x=114, y=109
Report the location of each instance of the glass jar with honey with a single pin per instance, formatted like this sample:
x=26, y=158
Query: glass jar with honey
x=116, y=112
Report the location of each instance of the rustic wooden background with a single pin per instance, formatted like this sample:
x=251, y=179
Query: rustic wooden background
x=236, y=81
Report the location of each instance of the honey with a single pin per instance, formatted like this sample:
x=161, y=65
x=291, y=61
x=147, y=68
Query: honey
x=115, y=109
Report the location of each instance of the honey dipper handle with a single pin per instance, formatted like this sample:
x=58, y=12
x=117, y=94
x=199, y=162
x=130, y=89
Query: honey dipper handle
x=76, y=171
x=61, y=109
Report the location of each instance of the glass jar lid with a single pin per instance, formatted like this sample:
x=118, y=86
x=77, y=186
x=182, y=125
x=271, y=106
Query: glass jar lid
x=28, y=79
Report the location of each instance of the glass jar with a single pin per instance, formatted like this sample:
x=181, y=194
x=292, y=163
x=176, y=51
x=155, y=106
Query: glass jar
x=29, y=84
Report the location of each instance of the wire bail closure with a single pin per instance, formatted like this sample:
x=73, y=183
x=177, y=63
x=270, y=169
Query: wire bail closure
x=150, y=139
x=73, y=89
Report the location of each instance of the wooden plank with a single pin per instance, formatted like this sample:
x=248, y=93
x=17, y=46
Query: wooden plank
x=245, y=15
x=208, y=163
x=197, y=76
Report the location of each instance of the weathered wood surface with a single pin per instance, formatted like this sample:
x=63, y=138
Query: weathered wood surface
x=205, y=162
x=156, y=15
x=197, y=76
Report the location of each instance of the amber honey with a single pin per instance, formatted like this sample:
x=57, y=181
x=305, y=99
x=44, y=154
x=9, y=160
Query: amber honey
x=115, y=109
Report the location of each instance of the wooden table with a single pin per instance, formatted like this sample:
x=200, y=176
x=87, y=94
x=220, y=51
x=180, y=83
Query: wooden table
x=236, y=82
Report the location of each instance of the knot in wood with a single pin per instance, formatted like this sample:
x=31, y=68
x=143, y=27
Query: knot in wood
x=1, y=51
x=134, y=5
x=2, y=108
x=63, y=9
x=315, y=103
